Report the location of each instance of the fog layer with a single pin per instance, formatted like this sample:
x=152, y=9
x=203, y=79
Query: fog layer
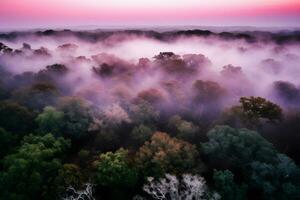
x=199, y=71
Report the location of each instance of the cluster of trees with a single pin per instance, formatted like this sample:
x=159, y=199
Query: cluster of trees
x=69, y=151
x=56, y=145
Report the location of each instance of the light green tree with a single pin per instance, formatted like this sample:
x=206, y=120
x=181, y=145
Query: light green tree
x=114, y=170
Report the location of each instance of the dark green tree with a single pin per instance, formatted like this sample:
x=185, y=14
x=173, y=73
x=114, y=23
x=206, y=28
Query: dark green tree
x=268, y=174
x=51, y=121
x=16, y=118
x=230, y=148
x=30, y=171
x=276, y=181
x=7, y=142
x=225, y=185
x=77, y=116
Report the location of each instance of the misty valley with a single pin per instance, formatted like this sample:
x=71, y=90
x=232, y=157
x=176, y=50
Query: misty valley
x=149, y=114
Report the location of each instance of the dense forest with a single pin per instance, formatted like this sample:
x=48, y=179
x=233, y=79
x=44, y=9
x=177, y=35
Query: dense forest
x=185, y=115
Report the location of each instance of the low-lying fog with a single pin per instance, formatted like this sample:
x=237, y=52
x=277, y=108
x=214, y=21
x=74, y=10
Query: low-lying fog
x=203, y=70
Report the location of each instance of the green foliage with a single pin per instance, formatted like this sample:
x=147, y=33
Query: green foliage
x=15, y=118
x=7, y=142
x=163, y=154
x=114, y=170
x=28, y=173
x=226, y=187
x=51, y=121
x=250, y=113
x=260, y=166
x=129, y=105
x=230, y=148
x=77, y=116
x=277, y=181
x=257, y=107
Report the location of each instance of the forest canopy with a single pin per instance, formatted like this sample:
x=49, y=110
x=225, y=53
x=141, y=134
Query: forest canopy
x=142, y=115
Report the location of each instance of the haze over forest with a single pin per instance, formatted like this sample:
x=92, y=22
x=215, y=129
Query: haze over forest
x=149, y=100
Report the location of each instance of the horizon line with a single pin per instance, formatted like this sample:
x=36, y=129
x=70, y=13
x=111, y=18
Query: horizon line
x=145, y=26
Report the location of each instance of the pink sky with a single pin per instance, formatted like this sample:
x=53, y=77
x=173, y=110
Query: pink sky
x=43, y=13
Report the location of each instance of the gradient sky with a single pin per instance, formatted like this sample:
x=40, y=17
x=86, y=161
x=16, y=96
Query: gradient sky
x=66, y=13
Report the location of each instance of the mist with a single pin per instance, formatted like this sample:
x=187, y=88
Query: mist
x=172, y=70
